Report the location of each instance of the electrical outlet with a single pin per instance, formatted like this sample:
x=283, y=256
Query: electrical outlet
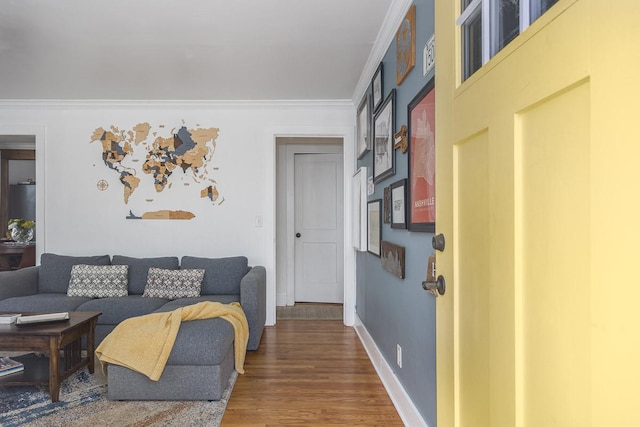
x=399, y=355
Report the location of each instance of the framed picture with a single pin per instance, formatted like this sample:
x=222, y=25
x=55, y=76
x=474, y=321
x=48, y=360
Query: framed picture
x=383, y=129
x=387, y=205
x=398, y=209
x=374, y=226
x=376, y=88
x=363, y=134
x=422, y=160
x=392, y=258
x=359, y=208
x=406, y=45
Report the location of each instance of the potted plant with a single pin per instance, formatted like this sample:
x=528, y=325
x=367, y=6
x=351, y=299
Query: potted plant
x=21, y=230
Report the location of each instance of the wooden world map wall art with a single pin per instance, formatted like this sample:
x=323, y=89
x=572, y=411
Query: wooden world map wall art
x=148, y=159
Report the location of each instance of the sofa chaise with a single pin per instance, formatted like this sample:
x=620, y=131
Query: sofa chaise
x=201, y=361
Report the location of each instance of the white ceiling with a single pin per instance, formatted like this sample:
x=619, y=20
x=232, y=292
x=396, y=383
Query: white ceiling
x=186, y=49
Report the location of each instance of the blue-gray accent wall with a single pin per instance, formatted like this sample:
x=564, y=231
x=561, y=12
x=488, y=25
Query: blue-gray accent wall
x=398, y=311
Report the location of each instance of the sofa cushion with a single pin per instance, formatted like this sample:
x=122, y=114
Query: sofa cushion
x=115, y=310
x=47, y=302
x=139, y=268
x=221, y=275
x=55, y=270
x=172, y=284
x=98, y=281
x=214, y=338
x=183, y=302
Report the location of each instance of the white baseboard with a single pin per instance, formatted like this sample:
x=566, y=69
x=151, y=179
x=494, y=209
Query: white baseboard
x=401, y=400
x=281, y=300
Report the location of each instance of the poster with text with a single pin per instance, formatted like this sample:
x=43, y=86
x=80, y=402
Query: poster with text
x=422, y=160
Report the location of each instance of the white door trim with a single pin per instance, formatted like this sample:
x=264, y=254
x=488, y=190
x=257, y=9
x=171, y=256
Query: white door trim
x=39, y=132
x=347, y=133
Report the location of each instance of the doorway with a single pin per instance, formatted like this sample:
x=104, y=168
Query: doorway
x=30, y=137
x=288, y=271
x=17, y=173
x=17, y=195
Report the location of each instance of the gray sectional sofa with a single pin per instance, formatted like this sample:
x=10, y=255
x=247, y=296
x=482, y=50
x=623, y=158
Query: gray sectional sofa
x=201, y=361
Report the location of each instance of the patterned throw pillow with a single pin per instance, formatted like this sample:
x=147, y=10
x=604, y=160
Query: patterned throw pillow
x=98, y=281
x=172, y=284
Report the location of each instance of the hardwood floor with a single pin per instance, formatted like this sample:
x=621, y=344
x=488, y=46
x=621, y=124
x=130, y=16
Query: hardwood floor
x=309, y=373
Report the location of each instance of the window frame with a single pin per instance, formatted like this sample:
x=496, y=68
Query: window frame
x=489, y=10
x=467, y=53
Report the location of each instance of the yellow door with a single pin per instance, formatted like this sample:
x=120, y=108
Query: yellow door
x=538, y=172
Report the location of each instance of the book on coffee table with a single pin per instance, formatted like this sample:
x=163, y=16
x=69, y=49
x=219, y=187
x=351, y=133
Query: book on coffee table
x=8, y=318
x=42, y=318
x=9, y=366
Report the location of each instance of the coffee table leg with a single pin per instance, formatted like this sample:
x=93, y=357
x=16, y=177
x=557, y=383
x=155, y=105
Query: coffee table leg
x=91, y=345
x=54, y=369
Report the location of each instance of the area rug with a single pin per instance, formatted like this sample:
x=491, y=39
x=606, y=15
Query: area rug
x=83, y=401
x=310, y=311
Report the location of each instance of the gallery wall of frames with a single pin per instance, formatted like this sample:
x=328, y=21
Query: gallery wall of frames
x=396, y=214
x=409, y=202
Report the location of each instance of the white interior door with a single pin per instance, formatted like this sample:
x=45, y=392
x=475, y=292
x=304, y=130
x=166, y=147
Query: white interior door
x=319, y=249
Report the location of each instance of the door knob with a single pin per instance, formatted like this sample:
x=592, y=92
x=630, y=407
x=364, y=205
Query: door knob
x=436, y=288
x=298, y=235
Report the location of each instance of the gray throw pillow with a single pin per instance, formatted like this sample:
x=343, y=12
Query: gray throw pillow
x=98, y=281
x=173, y=284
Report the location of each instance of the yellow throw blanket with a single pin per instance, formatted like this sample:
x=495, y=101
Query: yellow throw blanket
x=143, y=343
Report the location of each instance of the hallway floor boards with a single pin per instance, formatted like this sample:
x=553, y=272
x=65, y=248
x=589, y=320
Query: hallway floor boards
x=309, y=373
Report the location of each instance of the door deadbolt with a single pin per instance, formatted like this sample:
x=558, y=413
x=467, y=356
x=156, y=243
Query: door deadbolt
x=437, y=242
x=298, y=235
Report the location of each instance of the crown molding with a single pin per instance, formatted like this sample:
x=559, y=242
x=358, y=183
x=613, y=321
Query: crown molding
x=346, y=104
x=397, y=10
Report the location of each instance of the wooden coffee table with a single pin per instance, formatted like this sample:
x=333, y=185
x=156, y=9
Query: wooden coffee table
x=62, y=341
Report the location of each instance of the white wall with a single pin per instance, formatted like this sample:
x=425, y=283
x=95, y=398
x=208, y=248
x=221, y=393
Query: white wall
x=77, y=218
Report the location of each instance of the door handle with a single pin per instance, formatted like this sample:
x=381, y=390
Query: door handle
x=298, y=235
x=436, y=288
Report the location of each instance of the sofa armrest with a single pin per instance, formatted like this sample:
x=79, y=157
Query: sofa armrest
x=18, y=283
x=253, y=298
